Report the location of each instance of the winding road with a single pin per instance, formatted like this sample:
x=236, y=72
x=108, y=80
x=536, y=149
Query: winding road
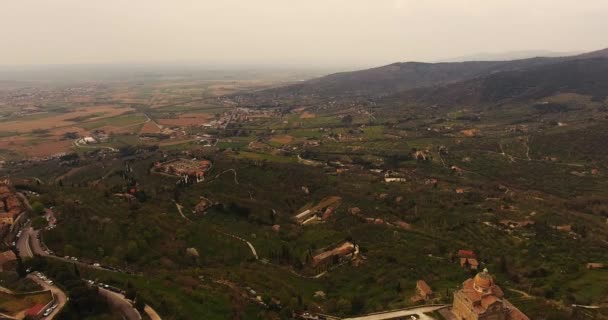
x=121, y=304
x=60, y=298
x=29, y=245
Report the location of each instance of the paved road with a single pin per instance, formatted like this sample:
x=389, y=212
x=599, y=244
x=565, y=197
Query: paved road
x=29, y=245
x=60, y=297
x=400, y=313
x=151, y=313
x=23, y=244
x=121, y=304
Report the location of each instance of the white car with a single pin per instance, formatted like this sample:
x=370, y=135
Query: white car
x=96, y=265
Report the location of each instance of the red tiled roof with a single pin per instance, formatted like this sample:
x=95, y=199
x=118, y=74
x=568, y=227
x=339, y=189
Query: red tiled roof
x=466, y=254
x=7, y=256
x=423, y=288
x=35, y=310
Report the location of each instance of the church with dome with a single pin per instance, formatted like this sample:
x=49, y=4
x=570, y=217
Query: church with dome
x=481, y=299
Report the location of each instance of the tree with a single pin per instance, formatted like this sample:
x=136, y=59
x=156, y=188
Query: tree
x=503, y=267
x=38, y=208
x=21, y=271
x=357, y=304
x=343, y=306
x=130, y=292
x=76, y=271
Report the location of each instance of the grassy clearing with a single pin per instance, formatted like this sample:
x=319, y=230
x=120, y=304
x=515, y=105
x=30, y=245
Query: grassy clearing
x=13, y=304
x=120, y=121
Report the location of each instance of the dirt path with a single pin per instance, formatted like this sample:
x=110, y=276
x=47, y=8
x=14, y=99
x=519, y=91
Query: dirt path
x=251, y=247
x=179, y=209
x=526, y=143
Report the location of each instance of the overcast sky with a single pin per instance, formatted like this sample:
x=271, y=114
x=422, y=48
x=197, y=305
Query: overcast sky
x=291, y=32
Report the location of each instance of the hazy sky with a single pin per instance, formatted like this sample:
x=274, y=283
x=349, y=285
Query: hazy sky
x=291, y=32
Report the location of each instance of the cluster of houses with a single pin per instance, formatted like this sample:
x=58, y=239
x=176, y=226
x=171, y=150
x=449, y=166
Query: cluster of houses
x=10, y=206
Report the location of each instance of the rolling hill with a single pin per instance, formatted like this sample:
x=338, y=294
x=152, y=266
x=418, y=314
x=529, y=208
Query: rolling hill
x=399, y=77
x=581, y=76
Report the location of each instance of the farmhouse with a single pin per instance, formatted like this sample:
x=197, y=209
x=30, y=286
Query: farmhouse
x=469, y=263
x=481, y=299
x=422, y=155
x=424, y=290
x=346, y=250
x=325, y=208
x=592, y=266
x=468, y=259
x=304, y=216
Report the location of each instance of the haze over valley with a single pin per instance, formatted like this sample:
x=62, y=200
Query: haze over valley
x=314, y=160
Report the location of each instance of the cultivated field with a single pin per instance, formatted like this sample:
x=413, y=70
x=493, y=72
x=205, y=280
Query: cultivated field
x=63, y=120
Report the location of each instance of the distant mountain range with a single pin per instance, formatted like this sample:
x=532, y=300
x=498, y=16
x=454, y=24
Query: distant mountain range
x=586, y=76
x=398, y=78
x=512, y=55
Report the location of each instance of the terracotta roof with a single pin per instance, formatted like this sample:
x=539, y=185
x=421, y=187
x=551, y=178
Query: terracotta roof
x=472, y=262
x=4, y=189
x=488, y=301
x=7, y=256
x=475, y=295
x=35, y=310
x=483, y=280
x=423, y=288
x=483, y=293
x=466, y=254
x=517, y=315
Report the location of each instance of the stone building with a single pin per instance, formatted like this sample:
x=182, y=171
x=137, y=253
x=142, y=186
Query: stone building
x=481, y=299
